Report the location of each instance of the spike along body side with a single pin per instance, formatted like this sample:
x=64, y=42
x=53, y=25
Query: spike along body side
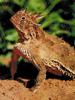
x=46, y=52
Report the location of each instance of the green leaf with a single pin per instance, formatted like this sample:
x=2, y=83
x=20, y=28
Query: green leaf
x=52, y=18
x=11, y=35
x=53, y=3
x=1, y=1
x=36, y=5
x=19, y=2
x=73, y=31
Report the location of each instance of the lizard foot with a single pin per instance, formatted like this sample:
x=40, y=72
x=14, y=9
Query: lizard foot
x=36, y=87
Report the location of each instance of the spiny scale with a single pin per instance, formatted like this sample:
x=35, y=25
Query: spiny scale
x=70, y=74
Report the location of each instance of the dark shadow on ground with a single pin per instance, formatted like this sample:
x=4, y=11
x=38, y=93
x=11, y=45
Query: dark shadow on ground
x=27, y=71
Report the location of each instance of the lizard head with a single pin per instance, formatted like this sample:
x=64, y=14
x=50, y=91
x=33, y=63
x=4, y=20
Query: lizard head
x=26, y=24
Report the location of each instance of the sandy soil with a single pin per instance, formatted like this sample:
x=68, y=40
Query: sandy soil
x=51, y=89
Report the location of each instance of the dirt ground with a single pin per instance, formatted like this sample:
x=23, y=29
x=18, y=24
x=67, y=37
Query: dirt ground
x=51, y=89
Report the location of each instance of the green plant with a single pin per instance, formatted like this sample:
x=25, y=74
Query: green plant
x=57, y=19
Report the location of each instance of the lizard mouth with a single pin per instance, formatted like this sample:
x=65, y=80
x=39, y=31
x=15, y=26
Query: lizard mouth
x=13, y=21
x=15, y=24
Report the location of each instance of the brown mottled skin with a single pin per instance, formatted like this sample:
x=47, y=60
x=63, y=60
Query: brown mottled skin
x=46, y=52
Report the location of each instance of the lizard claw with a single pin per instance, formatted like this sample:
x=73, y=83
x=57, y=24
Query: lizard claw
x=34, y=89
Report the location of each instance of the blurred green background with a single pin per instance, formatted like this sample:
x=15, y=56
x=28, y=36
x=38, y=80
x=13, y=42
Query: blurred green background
x=59, y=19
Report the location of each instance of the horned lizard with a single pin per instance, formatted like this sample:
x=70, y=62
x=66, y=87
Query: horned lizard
x=46, y=52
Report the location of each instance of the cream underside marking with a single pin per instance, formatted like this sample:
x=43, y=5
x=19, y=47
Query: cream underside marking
x=24, y=51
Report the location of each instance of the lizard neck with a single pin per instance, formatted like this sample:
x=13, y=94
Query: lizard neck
x=32, y=34
x=37, y=33
x=21, y=36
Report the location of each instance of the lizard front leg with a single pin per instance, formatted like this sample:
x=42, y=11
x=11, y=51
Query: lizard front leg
x=19, y=50
x=15, y=57
x=41, y=75
x=40, y=78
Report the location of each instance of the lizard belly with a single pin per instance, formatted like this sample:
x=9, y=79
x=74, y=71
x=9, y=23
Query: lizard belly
x=54, y=71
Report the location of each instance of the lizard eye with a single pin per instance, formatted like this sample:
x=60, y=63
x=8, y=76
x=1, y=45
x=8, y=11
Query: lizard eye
x=23, y=17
